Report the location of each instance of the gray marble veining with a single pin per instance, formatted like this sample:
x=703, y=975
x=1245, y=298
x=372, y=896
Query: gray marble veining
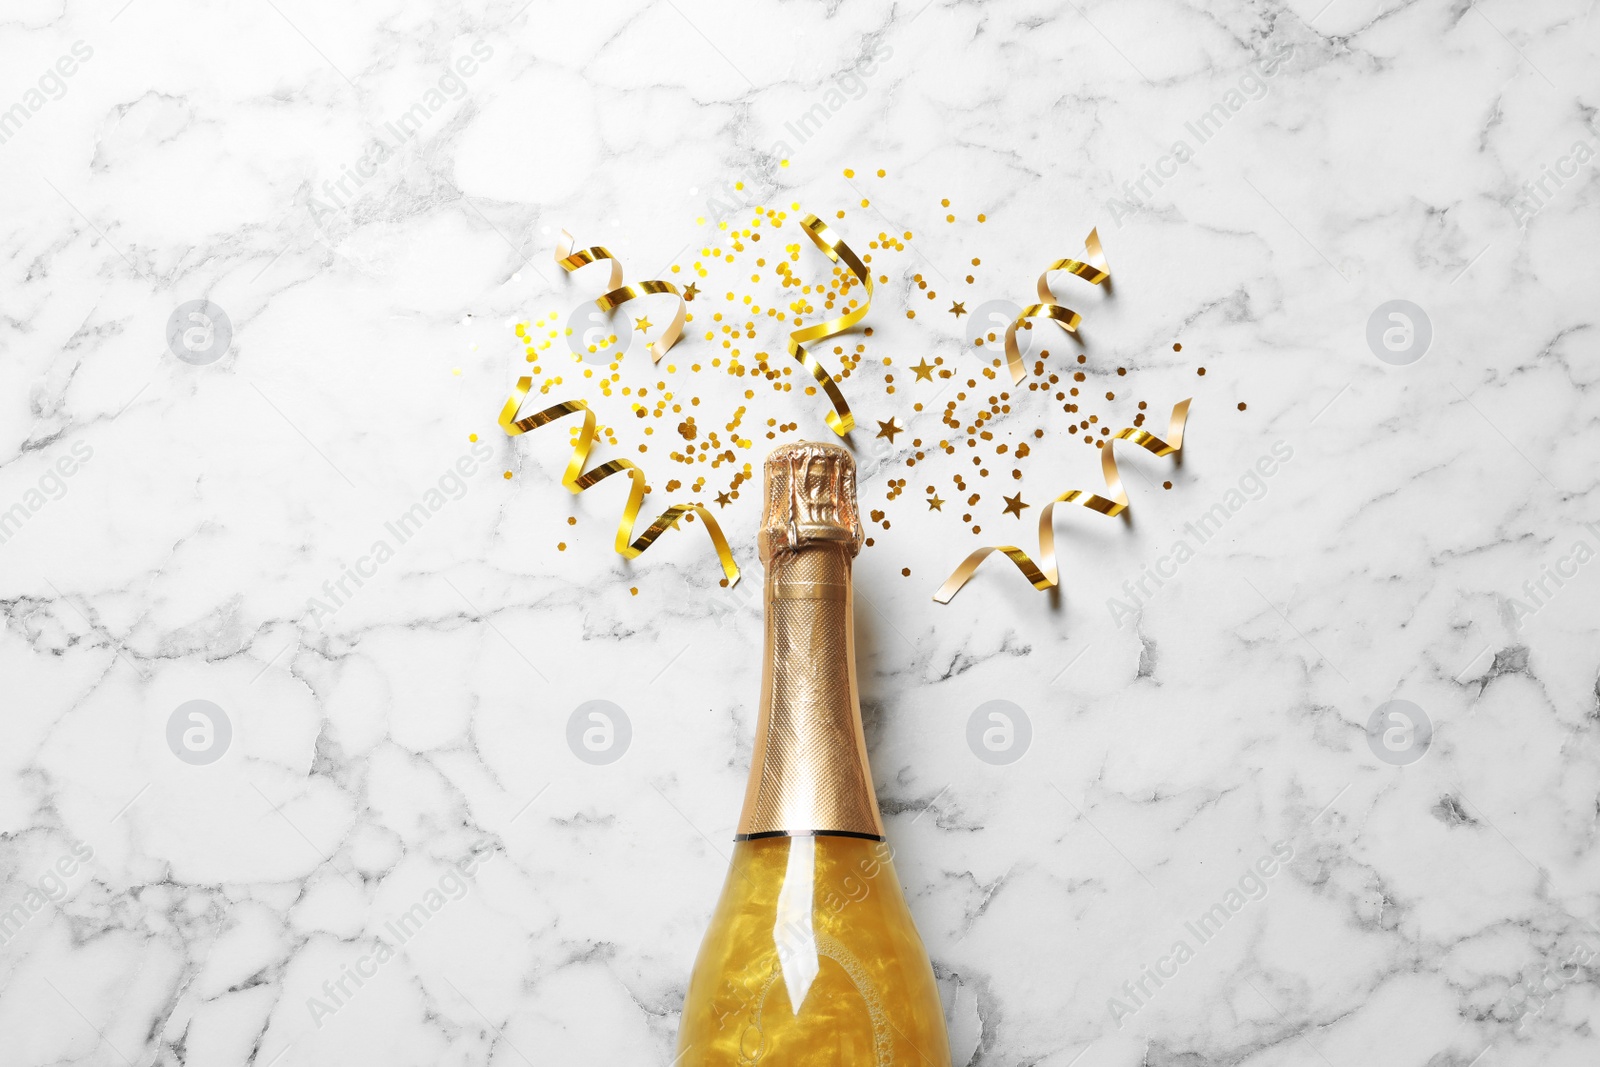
x=380, y=840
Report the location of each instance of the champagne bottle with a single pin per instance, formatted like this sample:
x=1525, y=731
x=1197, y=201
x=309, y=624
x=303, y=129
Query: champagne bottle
x=811, y=957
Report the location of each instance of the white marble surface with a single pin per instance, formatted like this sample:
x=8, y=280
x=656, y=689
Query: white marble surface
x=373, y=750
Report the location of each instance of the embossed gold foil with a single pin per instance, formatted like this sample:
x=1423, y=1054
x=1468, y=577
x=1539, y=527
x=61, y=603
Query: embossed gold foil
x=809, y=772
x=1044, y=574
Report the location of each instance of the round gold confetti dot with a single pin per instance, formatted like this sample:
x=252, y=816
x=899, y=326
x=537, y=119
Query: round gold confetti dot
x=905, y=571
x=1177, y=347
x=880, y=174
x=1241, y=405
x=506, y=476
x=572, y=520
x=848, y=173
x=1166, y=485
x=633, y=590
x=472, y=437
x=982, y=218
x=1201, y=371
x=561, y=546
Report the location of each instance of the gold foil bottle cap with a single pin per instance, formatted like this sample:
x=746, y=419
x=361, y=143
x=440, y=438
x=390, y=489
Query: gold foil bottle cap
x=810, y=497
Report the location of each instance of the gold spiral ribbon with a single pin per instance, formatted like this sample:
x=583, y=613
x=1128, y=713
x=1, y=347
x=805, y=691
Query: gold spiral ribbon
x=577, y=480
x=840, y=421
x=1095, y=272
x=1044, y=574
x=618, y=294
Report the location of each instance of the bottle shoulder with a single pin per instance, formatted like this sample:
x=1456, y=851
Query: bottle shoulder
x=812, y=948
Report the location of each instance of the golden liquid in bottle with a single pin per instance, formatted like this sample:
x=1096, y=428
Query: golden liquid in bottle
x=811, y=958
x=871, y=998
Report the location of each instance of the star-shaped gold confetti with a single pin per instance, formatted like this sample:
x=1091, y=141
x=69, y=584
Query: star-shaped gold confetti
x=889, y=429
x=1014, y=505
x=642, y=324
x=923, y=371
x=958, y=310
x=723, y=500
x=935, y=504
x=691, y=292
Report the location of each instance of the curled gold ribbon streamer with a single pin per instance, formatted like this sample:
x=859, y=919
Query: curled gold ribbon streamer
x=1045, y=575
x=618, y=294
x=577, y=480
x=840, y=420
x=1095, y=272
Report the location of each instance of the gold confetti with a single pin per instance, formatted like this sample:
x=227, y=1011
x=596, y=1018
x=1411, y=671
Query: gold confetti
x=1045, y=575
x=576, y=480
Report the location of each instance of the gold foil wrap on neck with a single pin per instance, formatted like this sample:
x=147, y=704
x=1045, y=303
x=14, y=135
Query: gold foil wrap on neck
x=810, y=497
x=809, y=771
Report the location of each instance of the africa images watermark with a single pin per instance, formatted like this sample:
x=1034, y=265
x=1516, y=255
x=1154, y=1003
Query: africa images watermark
x=342, y=192
x=1535, y=194
x=454, y=884
x=1538, y=993
x=1251, y=86
x=758, y=181
x=451, y=485
x=51, y=85
x=1250, y=886
x=51, y=485
x=1252, y=486
x=1552, y=577
x=49, y=887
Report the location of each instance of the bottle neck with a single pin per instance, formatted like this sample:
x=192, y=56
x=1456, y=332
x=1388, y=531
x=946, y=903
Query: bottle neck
x=809, y=772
